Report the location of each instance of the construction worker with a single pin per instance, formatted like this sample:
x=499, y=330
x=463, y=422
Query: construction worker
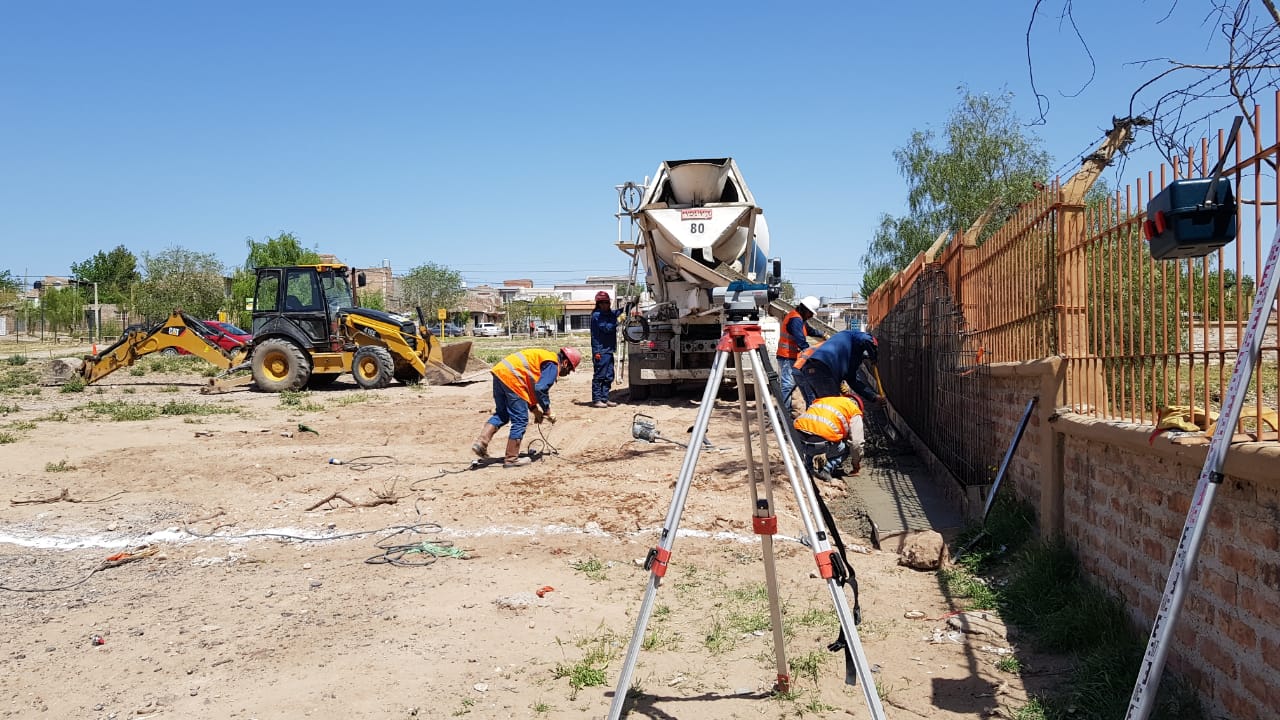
x=521, y=384
x=792, y=342
x=820, y=370
x=604, y=341
x=830, y=432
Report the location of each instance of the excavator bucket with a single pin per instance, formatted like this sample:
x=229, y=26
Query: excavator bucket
x=452, y=363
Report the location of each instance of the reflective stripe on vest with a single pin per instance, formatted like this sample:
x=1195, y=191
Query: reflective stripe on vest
x=829, y=418
x=804, y=356
x=787, y=347
x=520, y=371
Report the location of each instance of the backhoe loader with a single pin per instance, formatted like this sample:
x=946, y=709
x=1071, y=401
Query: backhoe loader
x=307, y=331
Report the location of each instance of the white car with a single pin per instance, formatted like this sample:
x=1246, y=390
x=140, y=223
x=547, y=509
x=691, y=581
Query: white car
x=488, y=330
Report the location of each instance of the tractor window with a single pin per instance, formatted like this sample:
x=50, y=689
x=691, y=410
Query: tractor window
x=337, y=291
x=301, y=292
x=266, y=298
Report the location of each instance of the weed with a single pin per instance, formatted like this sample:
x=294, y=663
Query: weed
x=352, y=399
x=1009, y=664
x=299, y=400
x=960, y=583
x=169, y=389
x=884, y=689
x=137, y=371
x=129, y=391
x=6, y=409
x=74, y=385
x=816, y=706
x=1033, y=710
x=467, y=704
x=173, y=407
x=121, y=411
x=593, y=568
x=718, y=640
x=809, y=665
x=541, y=708
x=7, y=438
x=31, y=391
x=13, y=379
x=55, y=416
x=23, y=425
x=662, y=612
x=99, y=390
x=17, y=360
x=60, y=466
x=589, y=671
x=661, y=639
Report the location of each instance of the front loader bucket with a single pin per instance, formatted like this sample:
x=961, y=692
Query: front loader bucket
x=452, y=363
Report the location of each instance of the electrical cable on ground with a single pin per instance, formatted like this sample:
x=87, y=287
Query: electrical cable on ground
x=116, y=560
x=363, y=462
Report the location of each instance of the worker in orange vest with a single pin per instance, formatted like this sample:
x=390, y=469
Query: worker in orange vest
x=521, y=384
x=792, y=342
x=829, y=433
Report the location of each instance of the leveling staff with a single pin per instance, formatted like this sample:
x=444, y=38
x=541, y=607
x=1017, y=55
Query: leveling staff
x=522, y=382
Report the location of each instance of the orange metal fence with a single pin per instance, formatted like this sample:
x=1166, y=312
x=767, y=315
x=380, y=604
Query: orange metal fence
x=1070, y=277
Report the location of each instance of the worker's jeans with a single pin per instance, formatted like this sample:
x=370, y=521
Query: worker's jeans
x=601, y=375
x=786, y=374
x=850, y=448
x=509, y=408
x=815, y=380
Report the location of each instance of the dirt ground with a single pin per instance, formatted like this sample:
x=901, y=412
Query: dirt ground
x=235, y=616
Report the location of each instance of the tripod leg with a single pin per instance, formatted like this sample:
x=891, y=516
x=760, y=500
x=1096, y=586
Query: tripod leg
x=816, y=532
x=764, y=520
x=659, y=556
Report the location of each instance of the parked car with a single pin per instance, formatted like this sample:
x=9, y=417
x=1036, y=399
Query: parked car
x=224, y=335
x=542, y=329
x=488, y=330
x=453, y=330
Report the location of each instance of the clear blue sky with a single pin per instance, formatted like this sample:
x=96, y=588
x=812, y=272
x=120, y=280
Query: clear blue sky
x=488, y=136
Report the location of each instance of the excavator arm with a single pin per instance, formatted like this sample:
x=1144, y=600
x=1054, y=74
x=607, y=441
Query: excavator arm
x=179, y=331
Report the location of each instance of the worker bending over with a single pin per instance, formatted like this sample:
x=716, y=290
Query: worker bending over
x=792, y=342
x=820, y=370
x=604, y=341
x=829, y=433
x=521, y=383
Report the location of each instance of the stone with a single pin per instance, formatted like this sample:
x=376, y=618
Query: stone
x=924, y=551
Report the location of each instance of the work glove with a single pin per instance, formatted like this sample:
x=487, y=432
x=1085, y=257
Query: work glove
x=596, y=357
x=880, y=400
x=550, y=416
x=537, y=416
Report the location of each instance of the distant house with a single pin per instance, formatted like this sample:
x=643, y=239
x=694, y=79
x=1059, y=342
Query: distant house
x=844, y=313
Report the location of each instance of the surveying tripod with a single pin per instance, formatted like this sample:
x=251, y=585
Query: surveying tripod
x=741, y=339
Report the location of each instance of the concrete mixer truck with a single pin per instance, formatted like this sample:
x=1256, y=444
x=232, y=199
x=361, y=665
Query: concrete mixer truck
x=694, y=227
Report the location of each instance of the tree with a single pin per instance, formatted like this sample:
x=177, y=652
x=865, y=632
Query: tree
x=180, y=279
x=982, y=162
x=373, y=300
x=9, y=287
x=282, y=250
x=114, y=272
x=431, y=287
x=1243, y=50
x=786, y=291
x=62, y=308
x=548, y=309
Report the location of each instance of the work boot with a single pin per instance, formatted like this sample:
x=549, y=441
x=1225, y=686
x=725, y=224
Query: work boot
x=481, y=445
x=599, y=404
x=610, y=403
x=513, y=458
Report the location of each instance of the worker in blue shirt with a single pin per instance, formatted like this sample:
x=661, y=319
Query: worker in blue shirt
x=604, y=341
x=792, y=342
x=820, y=371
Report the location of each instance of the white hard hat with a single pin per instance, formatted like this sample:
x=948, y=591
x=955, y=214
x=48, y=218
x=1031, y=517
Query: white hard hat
x=810, y=303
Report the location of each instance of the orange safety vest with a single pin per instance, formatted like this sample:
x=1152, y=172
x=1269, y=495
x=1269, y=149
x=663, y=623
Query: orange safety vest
x=805, y=355
x=787, y=348
x=829, y=418
x=521, y=370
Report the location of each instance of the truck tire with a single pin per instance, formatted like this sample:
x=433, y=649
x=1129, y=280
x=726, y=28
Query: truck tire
x=639, y=392
x=279, y=365
x=372, y=367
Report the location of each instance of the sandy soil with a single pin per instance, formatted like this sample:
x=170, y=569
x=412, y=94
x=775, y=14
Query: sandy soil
x=227, y=620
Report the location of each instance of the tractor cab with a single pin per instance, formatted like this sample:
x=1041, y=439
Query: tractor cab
x=303, y=303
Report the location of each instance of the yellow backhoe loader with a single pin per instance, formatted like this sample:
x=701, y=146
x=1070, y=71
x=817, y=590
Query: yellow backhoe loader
x=307, y=331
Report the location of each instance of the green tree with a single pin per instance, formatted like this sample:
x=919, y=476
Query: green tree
x=787, y=291
x=115, y=272
x=548, y=309
x=982, y=160
x=431, y=287
x=62, y=308
x=374, y=301
x=182, y=279
x=9, y=287
x=282, y=250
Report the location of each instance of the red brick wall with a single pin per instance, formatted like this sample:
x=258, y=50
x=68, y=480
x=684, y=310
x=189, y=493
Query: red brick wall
x=1007, y=401
x=1125, y=506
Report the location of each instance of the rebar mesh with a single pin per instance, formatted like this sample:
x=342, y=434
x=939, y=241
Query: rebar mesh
x=935, y=378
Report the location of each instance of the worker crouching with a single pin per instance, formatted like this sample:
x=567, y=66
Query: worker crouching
x=830, y=435
x=521, y=384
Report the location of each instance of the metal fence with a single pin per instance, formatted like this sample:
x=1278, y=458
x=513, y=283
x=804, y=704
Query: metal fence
x=1073, y=277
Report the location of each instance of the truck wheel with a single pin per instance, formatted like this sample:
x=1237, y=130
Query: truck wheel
x=373, y=367
x=279, y=365
x=639, y=392
x=169, y=351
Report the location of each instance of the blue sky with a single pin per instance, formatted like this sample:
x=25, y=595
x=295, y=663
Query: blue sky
x=488, y=137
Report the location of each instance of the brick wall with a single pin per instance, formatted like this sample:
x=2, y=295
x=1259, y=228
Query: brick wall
x=1009, y=392
x=1122, y=502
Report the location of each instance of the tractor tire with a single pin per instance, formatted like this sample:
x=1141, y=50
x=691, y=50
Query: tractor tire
x=322, y=380
x=372, y=367
x=279, y=365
